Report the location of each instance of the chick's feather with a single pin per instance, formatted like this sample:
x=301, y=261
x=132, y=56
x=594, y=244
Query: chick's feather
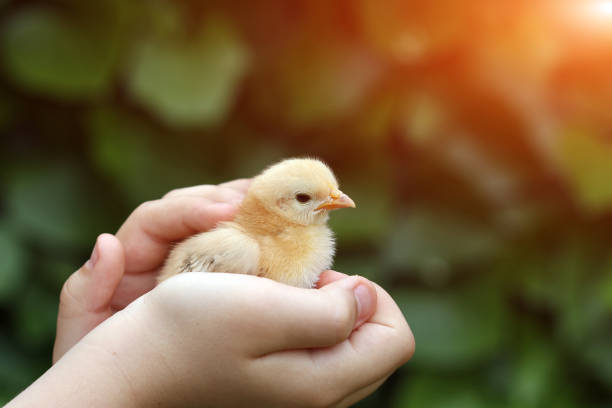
x=223, y=249
x=276, y=233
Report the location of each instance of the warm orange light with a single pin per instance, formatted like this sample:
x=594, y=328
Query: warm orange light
x=601, y=9
x=592, y=17
x=597, y=11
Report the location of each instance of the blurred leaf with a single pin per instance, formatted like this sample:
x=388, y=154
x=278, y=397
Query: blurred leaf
x=7, y=110
x=488, y=174
x=130, y=152
x=37, y=316
x=579, y=312
x=371, y=220
x=47, y=53
x=314, y=84
x=596, y=352
x=551, y=280
x=372, y=125
x=433, y=243
x=55, y=204
x=605, y=285
x=326, y=84
x=580, y=315
x=585, y=162
x=164, y=16
x=17, y=371
x=585, y=319
x=190, y=84
x=422, y=117
x=454, y=330
x=536, y=377
x=251, y=156
x=431, y=392
x=408, y=31
x=523, y=45
x=366, y=266
x=54, y=268
x=563, y=284
x=12, y=267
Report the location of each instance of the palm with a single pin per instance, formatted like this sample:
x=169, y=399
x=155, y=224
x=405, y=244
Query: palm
x=150, y=231
x=131, y=287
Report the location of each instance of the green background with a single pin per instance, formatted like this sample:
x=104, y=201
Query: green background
x=475, y=137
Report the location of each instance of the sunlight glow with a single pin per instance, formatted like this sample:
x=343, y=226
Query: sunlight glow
x=600, y=9
x=591, y=17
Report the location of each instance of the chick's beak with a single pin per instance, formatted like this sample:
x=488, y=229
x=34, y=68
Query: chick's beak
x=337, y=199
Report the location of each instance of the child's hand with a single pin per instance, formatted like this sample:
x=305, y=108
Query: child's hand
x=214, y=339
x=124, y=267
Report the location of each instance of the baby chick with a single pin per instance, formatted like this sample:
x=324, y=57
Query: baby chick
x=280, y=230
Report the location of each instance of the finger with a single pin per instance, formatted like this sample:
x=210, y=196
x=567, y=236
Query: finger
x=91, y=287
x=274, y=316
x=328, y=277
x=132, y=286
x=305, y=318
x=370, y=354
x=240, y=185
x=237, y=187
x=297, y=374
x=376, y=349
x=210, y=192
x=86, y=296
x=149, y=231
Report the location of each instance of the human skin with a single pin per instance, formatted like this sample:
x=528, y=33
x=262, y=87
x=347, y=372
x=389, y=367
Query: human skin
x=124, y=266
x=205, y=339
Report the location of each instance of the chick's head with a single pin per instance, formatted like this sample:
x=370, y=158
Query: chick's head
x=300, y=190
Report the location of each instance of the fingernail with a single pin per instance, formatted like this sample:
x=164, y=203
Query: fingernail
x=365, y=303
x=91, y=263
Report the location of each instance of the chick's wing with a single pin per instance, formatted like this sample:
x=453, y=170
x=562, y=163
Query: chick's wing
x=224, y=249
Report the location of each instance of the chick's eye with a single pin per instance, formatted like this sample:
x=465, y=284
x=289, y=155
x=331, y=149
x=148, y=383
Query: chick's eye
x=302, y=198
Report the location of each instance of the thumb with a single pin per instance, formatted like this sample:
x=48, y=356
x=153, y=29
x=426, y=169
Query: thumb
x=307, y=318
x=86, y=295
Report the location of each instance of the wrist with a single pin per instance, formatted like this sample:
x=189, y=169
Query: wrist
x=126, y=350
x=111, y=366
x=138, y=345
x=85, y=376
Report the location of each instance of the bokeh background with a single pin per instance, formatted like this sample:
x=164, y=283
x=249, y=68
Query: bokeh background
x=474, y=135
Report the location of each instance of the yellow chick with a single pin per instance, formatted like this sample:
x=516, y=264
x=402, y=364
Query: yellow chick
x=280, y=230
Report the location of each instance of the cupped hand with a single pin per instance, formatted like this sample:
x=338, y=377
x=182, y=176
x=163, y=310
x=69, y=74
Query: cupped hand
x=124, y=267
x=154, y=226
x=214, y=339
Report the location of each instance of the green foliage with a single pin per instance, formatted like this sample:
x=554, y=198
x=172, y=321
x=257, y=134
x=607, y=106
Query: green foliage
x=434, y=244
x=37, y=314
x=50, y=204
x=317, y=82
x=374, y=199
x=47, y=52
x=426, y=391
x=13, y=264
x=445, y=324
x=128, y=151
x=536, y=378
x=586, y=159
x=473, y=136
x=190, y=82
